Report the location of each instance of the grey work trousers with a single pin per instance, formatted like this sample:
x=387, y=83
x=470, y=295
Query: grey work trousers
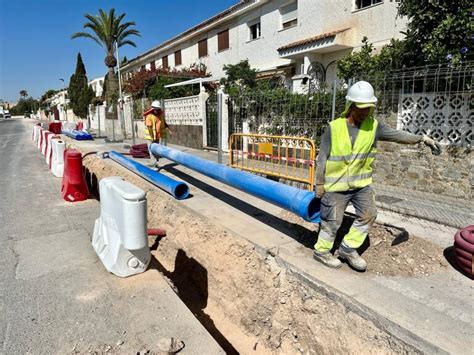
x=154, y=158
x=333, y=206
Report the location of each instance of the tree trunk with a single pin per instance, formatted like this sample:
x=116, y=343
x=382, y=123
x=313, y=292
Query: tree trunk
x=112, y=97
x=112, y=126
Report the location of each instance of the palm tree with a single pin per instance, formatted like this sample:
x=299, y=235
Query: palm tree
x=107, y=30
x=23, y=94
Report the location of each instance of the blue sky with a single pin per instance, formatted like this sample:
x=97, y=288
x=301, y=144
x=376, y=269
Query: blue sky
x=36, y=49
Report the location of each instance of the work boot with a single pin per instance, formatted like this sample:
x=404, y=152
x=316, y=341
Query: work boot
x=352, y=257
x=327, y=259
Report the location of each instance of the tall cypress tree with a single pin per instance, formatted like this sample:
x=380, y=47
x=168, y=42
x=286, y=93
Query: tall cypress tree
x=80, y=94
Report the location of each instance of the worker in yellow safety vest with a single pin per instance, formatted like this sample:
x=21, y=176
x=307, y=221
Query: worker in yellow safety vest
x=156, y=130
x=344, y=174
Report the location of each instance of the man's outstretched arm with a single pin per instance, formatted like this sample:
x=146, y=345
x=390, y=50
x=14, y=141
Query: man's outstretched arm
x=388, y=134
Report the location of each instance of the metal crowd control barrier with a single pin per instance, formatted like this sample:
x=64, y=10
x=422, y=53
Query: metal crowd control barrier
x=287, y=158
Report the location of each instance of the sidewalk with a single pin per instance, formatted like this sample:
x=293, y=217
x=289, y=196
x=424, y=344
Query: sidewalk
x=441, y=209
x=431, y=311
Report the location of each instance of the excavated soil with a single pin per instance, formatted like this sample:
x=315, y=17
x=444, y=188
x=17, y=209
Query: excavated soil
x=247, y=301
x=414, y=257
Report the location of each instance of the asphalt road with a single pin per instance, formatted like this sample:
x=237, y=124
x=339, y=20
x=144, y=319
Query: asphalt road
x=55, y=295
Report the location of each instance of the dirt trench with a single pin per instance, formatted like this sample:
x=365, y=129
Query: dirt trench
x=247, y=301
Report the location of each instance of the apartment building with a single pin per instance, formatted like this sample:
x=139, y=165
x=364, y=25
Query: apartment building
x=291, y=40
x=97, y=85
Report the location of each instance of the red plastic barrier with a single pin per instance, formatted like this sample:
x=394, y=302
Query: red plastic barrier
x=464, y=250
x=55, y=127
x=80, y=126
x=74, y=187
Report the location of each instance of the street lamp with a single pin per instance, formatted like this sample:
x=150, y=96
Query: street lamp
x=65, y=99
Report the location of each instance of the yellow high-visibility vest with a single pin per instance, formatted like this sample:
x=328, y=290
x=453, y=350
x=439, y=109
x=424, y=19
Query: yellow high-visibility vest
x=154, y=119
x=348, y=167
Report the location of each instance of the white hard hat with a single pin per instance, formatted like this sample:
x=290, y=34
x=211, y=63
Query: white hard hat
x=362, y=94
x=156, y=104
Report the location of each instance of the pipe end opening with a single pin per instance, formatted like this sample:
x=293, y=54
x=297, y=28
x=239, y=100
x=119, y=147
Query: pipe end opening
x=181, y=191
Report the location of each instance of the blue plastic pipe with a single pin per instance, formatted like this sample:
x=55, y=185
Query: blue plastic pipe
x=177, y=189
x=301, y=202
x=78, y=135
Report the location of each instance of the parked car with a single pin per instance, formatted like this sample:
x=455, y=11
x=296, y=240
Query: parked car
x=7, y=114
x=27, y=114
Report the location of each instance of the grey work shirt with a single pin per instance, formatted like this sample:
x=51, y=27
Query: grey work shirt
x=383, y=133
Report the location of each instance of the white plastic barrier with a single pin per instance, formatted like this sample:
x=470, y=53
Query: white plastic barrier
x=69, y=126
x=120, y=233
x=57, y=159
x=49, y=149
x=38, y=142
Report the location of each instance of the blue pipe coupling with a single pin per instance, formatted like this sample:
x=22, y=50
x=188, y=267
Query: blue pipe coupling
x=177, y=189
x=301, y=202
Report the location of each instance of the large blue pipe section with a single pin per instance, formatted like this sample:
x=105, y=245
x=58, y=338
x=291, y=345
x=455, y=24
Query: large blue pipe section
x=303, y=203
x=177, y=189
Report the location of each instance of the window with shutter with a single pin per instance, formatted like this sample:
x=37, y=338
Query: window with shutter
x=177, y=58
x=360, y=4
x=202, y=48
x=254, y=29
x=164, y=62
x=289, y=15
x=152, y=65
x=223, y=40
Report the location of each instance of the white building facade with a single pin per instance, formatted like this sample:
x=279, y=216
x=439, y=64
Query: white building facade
x=280, y=38
x=97, y=85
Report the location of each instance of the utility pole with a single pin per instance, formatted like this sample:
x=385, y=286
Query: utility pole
x=220, y=108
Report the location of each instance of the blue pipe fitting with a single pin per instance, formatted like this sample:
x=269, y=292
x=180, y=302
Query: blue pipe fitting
x=301, y=202
x=177, y=189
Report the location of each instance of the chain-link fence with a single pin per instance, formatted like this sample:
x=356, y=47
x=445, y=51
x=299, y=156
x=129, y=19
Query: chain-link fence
x=434, y=100
x=283, y=113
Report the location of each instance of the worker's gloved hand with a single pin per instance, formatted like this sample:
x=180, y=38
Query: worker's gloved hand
x=432, y=144
x=319, y=189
